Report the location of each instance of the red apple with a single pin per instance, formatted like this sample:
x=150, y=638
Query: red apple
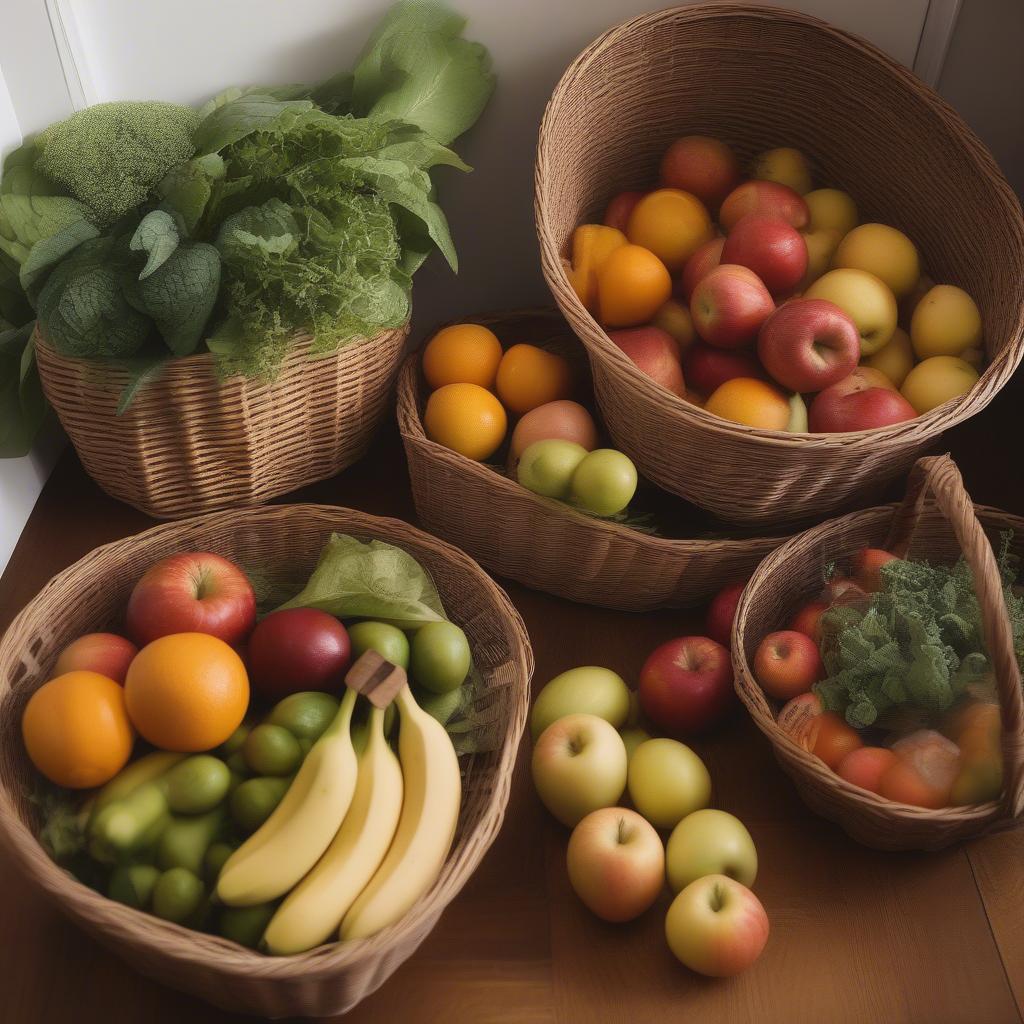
x=858, y=402
x=808, y=345
x=106, y=653
x=616, y=213
x=808, y=620
x=721, y=612
x=298, y=649
x=767, y=198
x=616, y=863
x=787, y=664
x=716, y=926
x=192, y=592
x=655, y=353
x=699, y=265
x=706, y=368
x=705, y=167
x=771, y=248
x=686, y=685
x=729, y=305
x=867, y=568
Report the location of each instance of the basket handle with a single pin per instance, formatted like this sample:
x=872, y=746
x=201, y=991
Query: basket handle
x=938, y=475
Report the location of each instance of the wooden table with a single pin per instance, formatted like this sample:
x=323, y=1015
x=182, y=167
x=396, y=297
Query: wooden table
x=857, y=936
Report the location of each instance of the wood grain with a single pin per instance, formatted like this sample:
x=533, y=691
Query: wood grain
x=857, y=935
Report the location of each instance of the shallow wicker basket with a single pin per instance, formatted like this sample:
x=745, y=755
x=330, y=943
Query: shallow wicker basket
x=284, y=543
x=544, y=543
x=759, y=77
x=193, y=442
x=944, y=523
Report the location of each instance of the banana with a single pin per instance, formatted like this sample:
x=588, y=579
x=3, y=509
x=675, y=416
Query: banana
x=315, y=907
x=303, y=824
x=426, y=828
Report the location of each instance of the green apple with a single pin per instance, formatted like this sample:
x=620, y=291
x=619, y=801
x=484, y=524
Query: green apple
x=547, y=467
x=604, y=482
x=710, y=842
x=440, y=657
x=589, y=689
x=578, y=766
x=667, y=781
x=387, y=640
x=632, y=738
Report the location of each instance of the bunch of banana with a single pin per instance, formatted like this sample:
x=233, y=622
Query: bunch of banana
x=388, y=846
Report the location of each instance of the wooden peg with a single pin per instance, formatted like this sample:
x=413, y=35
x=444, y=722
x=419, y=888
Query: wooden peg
x=376, y=679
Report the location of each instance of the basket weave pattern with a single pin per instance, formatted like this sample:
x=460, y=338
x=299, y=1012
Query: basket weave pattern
x=284, y=543
x=193, y=442
x=541, y=542
x=945, y=524
x=759, y=77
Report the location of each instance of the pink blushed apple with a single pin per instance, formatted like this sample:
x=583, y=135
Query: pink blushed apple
x=716, y=927
x=616, y=863
x=707, y=368
x=867, y=568
x=787, y=663
x=106, y=653
x=729, y=305
x=771, y=248
x=808, y=345
x=766, y=198
x=686, y=685
x=655, y=353
x=616, y=213
x=192, y=593
x=859, y=402
x=721, y=612
x=699, y=265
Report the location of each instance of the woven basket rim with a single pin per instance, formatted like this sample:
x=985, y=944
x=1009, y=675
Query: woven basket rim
x=193, y=948
x=922, y=427
x=750, y=693
x=410, y=425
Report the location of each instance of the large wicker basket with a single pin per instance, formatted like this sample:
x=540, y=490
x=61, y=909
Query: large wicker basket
x=282, y=542
x=544, y=543
x=192, y=441
x=758, y=77
x=944, y=523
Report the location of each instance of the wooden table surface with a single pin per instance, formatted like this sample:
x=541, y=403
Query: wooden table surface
x=857, y=936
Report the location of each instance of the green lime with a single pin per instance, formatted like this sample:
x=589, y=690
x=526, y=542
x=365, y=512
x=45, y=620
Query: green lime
x=388, y=641
x=246, y=925
x=440, y=657
x=305, y=715
x=255, y=799
x=177, y=895
x=272, y=750
x=132, y=884
x=197, y=784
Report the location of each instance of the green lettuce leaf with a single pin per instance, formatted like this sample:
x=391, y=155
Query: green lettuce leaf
x=142, y=369
x=187, y=187
x=48, y=252
x=157, y=236
x=22, y=404
x=26, y=220
x=370, y=580
x=232, y=121
x=21, y=176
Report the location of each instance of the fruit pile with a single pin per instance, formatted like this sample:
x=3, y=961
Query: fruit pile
x=589, y=749
x=788, y=298
x=884, y=677
x=283, y=822
x=477, y=387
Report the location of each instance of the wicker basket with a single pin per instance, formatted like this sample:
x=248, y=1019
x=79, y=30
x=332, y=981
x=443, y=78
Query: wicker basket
x=284, y=542
x=544, y=543
x=759, y=77
x=945, y=522
x=193, y=442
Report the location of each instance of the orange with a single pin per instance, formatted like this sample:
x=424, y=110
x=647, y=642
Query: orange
x=592, y=244
x=672, y=223
x=906, y=786
x=632, y=285
x=752, y=402
x=530, y=377
x=834, y=739
x=76, y=729
x=466, y=418
x=187, y=692
x=462, y=354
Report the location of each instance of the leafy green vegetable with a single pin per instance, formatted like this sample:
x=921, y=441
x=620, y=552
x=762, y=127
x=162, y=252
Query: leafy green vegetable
x=417, y=68
x=14, y=304
x=370, y=580
x=157, y=236
x=187, y=187
x=22, y=405
x=917, y=643
x=25, y=221
x=111, y=155
x=229, y=122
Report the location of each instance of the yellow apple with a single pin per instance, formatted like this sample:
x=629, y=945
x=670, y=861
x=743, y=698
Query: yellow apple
x=831, y=208
x=936, y=380
x=945, y=322
x=821, y=245
x=710, y=842
x=785, y=165
x=589, y=689
x=675, y=319
x=632, y=738
x=667, y=781
x=895, y=359
x=884, y=252
x=865, y=299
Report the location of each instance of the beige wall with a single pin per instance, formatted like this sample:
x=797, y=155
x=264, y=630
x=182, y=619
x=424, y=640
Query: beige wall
x=983, y=77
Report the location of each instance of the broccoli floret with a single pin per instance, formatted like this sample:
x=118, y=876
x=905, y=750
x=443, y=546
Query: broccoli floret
x=110, y=156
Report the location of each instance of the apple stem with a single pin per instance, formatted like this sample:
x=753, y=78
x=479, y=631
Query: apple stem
x=623, y=836
x=717, y=899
